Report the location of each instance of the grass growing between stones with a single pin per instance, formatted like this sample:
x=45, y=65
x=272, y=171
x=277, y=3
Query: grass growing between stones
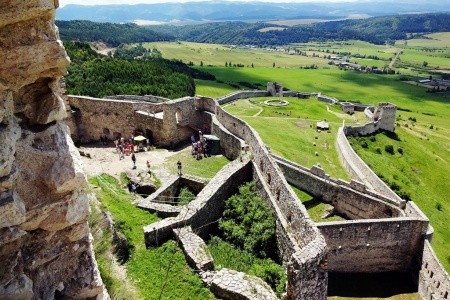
x=229, y=256
x=206, y=168
x=157, y=273
x=316, y=209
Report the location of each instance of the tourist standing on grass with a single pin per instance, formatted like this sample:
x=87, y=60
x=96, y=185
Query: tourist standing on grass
x=133, y=158
x=179, y=168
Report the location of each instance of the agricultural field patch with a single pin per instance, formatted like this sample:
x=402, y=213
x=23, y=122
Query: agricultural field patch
x=433, y=40
x=218, y=55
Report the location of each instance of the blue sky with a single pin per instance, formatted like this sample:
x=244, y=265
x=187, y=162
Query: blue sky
x=101, y=2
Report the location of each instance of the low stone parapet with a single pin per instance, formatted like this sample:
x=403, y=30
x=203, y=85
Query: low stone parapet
x=162, y=210
x=194, y=248
x=234, y=285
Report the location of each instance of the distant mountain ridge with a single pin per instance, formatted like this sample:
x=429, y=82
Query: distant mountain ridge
x=210, y=11
x=377, y=30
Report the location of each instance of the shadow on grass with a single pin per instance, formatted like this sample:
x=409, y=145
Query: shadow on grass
x=392, y=135
x=311, y=203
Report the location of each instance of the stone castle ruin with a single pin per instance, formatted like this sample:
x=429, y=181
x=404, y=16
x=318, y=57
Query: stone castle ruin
x=46, y=251
x=383, y=233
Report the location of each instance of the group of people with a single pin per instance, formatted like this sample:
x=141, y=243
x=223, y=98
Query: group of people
x=200, y=147
x=124, y=147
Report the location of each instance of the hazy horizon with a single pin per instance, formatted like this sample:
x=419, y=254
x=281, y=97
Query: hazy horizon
x=132, y=2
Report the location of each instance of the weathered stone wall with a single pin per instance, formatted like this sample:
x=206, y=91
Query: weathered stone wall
x=95, y=117
x=231, y=146
x=206, y=209
x=241, y=95
x=369, y=246
x=169, y=123
x=45, y=247
x=327, y=99
x=358, y=168
x=346, y=200
x=434, y=281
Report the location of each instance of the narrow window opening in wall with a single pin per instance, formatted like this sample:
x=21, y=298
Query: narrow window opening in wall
x=269, y=178
x=278, y=195
x=234, y=124
x=445, y=295
x=438, y=284
x=426, y=265
x=261, y=166
x=289, y=218
x=431, y=274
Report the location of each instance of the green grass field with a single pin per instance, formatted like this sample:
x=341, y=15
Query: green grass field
x=217, y=55
x=434, y=40
x=354, y=47
x=420, y=171
x=290, y=131
x=434, y=49
x=205, y=168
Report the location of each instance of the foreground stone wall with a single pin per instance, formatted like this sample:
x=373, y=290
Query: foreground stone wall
x=45, y=248
x=372, y=246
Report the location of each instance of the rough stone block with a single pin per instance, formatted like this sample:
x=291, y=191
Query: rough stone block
x=12, y=209
x=195, y=249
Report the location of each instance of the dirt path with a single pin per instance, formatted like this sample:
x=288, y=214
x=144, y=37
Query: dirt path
x=392, y=63
x=105, y=159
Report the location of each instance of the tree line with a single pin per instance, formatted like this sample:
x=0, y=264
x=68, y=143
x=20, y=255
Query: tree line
x=92, y=74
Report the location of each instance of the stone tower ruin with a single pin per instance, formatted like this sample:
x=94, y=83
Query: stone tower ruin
x=385, y=115
x=275, y=89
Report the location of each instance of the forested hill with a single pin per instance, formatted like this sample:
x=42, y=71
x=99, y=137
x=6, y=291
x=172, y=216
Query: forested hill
x=111, y=33
x=91, y=74
x=375, y=30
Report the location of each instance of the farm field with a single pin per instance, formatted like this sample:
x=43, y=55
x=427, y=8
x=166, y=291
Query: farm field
x=218, y=55
x=434, y=49
x=353, y=47
x=433, y=40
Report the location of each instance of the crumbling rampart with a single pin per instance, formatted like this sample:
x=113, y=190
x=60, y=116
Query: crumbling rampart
x=45, y=248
